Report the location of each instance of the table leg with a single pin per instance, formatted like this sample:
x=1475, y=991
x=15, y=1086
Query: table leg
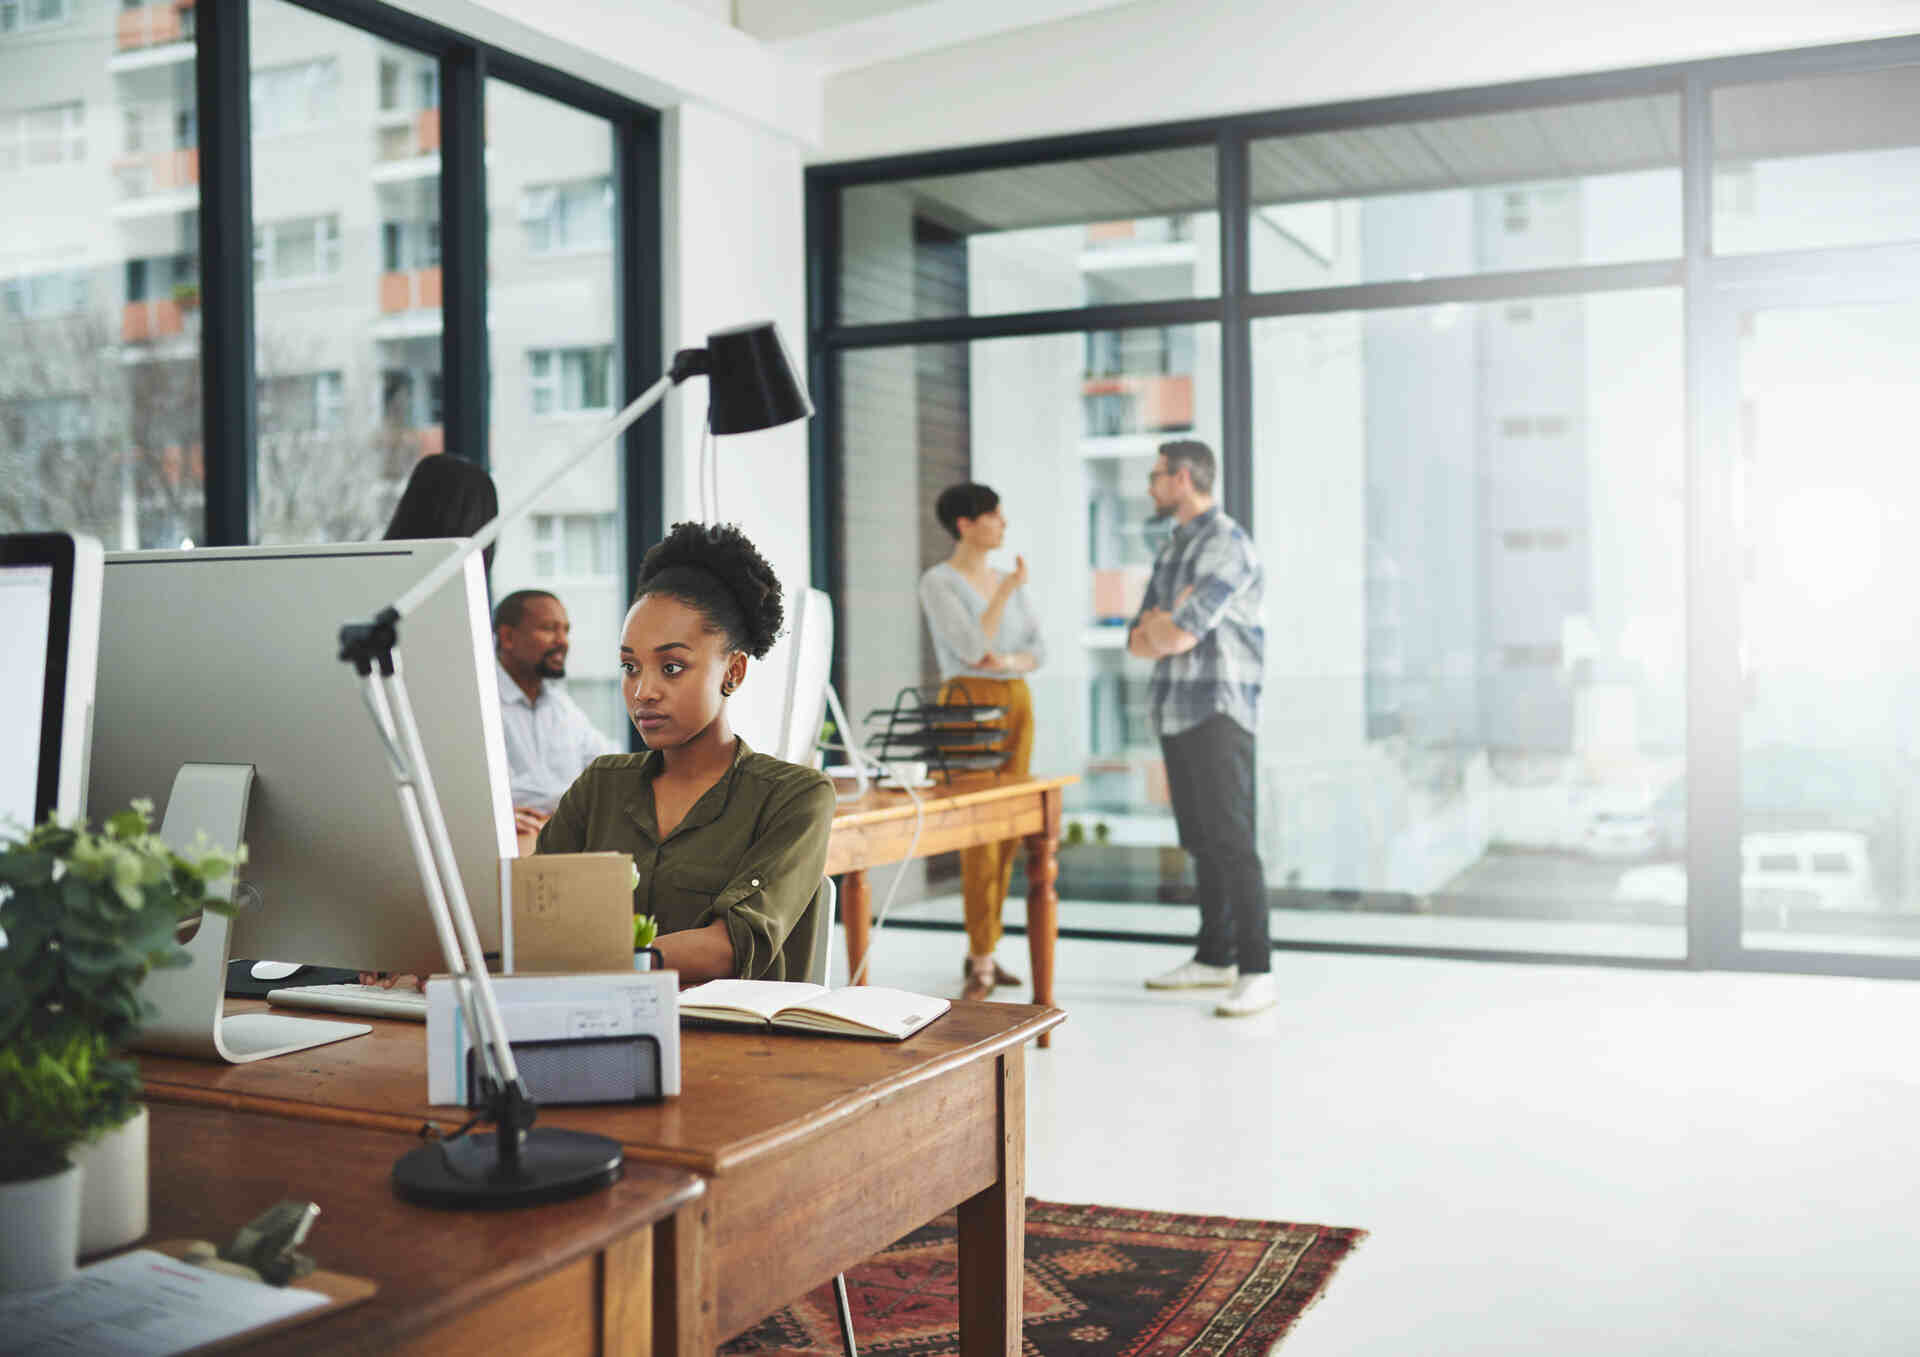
x=626, y=1296
x=993, y=1225
x=1043, y=902
x=685, y=1291
x=856, y=918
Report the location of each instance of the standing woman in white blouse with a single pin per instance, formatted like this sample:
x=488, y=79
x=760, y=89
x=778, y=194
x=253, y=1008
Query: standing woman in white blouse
x=986, y=635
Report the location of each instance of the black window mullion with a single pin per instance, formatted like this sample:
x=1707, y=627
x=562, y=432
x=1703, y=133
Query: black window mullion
x=463, y=252
x=221, y=66
x=637, y=325
x=1236, y=341
x=823, y=433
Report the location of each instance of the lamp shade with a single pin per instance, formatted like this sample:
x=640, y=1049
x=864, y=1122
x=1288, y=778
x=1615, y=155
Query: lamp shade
x=751, y=383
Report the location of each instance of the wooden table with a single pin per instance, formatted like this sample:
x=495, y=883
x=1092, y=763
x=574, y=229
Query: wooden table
x=817, y=1152
x=973, y=809
x=561, y=1278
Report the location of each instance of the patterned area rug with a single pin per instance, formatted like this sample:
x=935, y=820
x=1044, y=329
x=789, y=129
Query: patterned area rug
x=1100, y=1282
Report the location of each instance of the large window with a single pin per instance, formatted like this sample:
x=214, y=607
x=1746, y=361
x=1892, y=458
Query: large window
x=100, y=380
x=53, y=134
x=1589, y=183
x=337, y=399
x=1032, y=238
x=1829, y=791
x=1063, y=428
x=1583, y=540
x=576, y=216
x=569, y=381
x=317, y=179
x=1475, y=679
x=302, y=250
x=297, y=96
x=21, y=15
x=1826, y=161
x=555, y=361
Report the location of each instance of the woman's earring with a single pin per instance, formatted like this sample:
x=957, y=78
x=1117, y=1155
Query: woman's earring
x=727, y=686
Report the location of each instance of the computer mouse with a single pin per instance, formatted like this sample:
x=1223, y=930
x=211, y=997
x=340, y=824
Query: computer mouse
x=274, y=970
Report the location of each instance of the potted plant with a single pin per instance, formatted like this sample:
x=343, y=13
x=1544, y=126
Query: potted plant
x=646, y=957
x=84, y=916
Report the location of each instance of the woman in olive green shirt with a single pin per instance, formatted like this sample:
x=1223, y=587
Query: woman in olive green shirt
x=730, y=844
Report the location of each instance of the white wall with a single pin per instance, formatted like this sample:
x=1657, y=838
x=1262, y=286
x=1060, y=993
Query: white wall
x=1169, y=59
x=733, y=203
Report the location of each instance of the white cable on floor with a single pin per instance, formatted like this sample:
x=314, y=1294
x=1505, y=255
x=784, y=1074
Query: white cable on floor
x=919, y=822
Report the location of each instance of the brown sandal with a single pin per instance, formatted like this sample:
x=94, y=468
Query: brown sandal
x=979, y=981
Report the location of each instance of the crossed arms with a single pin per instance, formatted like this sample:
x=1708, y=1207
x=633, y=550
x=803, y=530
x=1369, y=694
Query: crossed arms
x=1154, y=635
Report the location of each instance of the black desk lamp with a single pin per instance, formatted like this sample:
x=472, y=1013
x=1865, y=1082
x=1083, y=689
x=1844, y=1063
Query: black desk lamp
x=750, y=385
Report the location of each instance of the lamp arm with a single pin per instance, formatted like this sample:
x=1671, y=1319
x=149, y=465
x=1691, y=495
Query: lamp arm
x=484, y=538
x=479, y=1036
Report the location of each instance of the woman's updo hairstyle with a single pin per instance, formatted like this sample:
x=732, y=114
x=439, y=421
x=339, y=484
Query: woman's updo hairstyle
x=716, y=571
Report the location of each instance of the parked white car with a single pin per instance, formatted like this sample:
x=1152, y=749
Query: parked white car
x=1802, y=869
x=1827, y=867
x=1620, y=834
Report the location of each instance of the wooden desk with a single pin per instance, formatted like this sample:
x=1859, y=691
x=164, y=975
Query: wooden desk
x=817, y=1152
x=560, y=1278
x=973, y=809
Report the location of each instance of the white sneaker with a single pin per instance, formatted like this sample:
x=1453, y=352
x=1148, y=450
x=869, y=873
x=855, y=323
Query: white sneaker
x=1194, y=975
x=1250, y=994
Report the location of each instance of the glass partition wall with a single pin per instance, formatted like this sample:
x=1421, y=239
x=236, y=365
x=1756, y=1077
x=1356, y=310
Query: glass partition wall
x=1565, y=420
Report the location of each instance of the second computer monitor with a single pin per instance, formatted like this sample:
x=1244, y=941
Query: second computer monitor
x=809, y=664
x=228, y=656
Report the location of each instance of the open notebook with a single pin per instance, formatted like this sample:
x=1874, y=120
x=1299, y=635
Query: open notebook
x=862, y=1011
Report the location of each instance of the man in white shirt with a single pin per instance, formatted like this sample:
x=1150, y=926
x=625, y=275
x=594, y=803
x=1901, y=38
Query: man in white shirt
x=549, y=739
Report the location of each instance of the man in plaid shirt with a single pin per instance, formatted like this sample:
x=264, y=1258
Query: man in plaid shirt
x=1200, y=624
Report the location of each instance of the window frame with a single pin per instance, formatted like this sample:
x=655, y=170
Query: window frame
x=1709, y=286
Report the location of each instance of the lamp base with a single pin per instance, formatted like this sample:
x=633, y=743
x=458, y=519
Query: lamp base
x=468, y=1172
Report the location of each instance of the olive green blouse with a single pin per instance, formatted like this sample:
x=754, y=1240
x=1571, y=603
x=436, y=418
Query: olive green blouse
x=750, y=850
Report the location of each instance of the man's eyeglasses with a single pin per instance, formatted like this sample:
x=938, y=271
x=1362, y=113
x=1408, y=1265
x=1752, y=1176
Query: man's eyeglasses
x=1157, y=473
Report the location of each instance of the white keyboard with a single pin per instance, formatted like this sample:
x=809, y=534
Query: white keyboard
x=371, y=1001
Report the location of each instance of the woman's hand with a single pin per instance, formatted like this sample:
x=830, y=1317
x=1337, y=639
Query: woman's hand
x=1014, y=578
x=526, y=828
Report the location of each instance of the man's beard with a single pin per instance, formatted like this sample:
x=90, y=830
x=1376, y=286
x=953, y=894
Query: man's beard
x=553, y=665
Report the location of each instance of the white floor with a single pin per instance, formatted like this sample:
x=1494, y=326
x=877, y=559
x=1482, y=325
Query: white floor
x=1551, y=1159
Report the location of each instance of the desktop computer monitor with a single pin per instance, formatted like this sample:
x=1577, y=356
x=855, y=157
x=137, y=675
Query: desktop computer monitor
x=229, y=656
x=50, y=619
x=809, y=663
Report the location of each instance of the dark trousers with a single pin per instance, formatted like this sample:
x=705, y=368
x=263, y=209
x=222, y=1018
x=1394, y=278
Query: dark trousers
x=1210, y=772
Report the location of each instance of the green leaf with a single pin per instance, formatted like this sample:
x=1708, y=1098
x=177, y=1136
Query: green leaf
x=127, y=824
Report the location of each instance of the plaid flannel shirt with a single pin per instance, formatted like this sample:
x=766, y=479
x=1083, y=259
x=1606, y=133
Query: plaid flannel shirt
x=1214, y=556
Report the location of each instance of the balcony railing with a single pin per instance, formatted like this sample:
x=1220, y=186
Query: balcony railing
x=144, y=173
x=1144, y=231
x=1138, y=404
x=418, y=135
x=162, y=318
x=153, y=25
x=410, y=290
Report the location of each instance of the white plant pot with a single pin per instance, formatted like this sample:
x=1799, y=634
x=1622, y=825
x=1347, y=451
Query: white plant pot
x=39, y=1230
x=113, y=1194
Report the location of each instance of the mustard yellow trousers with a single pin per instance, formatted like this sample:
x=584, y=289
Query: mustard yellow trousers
x=985, y=871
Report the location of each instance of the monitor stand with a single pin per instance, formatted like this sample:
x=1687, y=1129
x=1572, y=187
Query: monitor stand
x=211, y=798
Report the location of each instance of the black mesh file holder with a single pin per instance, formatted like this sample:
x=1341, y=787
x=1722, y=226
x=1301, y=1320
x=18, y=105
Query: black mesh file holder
x=611, y=1069
x=950, y=737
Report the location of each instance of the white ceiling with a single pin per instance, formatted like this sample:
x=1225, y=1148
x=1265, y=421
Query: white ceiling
x=843, y=35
